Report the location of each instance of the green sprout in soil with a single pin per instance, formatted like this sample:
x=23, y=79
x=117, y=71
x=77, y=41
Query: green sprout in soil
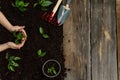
x=12, y=62
x=18, y=37
x=43, y=4
x=41, y=30
x=41, y=53
x=52, y=70
x=21, y=5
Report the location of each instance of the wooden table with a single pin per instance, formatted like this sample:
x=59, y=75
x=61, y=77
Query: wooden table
x=90, y=40
x=118, y=32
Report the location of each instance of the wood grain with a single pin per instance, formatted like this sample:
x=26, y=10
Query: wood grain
x=90, y=40
x=77, y=41
x=103, y=40
x=118, y=32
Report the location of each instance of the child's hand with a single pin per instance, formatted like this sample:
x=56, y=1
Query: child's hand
x=15, y=46
x=19, y=29
x=16, y=28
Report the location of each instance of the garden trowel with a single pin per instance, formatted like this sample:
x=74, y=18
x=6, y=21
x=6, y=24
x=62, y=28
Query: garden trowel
x=63, y=13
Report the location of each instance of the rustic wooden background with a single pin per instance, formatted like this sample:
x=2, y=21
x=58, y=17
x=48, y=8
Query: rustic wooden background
x=90, y=40
x=118, y=32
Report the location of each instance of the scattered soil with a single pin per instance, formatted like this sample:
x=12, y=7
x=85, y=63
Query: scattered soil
x=31, y=65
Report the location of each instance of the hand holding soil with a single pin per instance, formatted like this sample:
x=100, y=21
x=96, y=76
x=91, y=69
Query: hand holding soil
x=19, y=44
x=13, y=45
x=20, y=29
x=20, y=36
x=5, y=23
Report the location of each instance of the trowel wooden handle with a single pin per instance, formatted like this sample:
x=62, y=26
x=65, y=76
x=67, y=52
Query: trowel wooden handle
x=56, y=6
x=67, y=4
x=55, y=9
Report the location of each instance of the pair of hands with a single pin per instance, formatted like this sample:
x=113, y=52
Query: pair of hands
x=12, y=45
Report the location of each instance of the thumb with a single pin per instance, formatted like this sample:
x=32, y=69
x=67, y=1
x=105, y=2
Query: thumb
x=20, y=28
x=23, y=26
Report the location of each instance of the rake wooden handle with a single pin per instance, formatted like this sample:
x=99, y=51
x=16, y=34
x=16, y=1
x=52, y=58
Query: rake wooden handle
x=55, y=9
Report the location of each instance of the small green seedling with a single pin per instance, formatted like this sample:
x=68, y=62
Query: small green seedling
x=18, y=37
x=12, y=64
x=21, y=5
x=43, y=4
x=42, y=33
x=41, y=53
x=52, y=70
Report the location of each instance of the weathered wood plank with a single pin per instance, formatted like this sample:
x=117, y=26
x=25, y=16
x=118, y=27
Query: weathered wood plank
x=118, y=32
x=77, y=41
x=103, y=40
x=90, y=40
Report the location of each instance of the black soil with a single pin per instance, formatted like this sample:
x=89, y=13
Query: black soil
x=31, y=65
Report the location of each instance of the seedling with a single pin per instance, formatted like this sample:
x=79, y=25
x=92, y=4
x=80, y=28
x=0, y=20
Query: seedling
x=51, y=70
x=41, y=30
x=21, y=5
x=18, y=37
x=41, y=53
x=12, y=64
x=43, y=4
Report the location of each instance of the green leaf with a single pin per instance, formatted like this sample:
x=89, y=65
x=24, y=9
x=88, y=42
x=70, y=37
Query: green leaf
x=19, y=36
x=6, y=56
x=41, y=30
x=49, y=70
x=13, y=63
x=35, y=4
x=14, y=33
x=22, y=9
x=16, y=41
x=21, y=3
x=11, y=68
x=16, y=3
x=46, y=3
x=54, y=71
x=26, y=4
x=13, y=5
x=11, y=58
x=17, y=58
x=41, y=1
x=16, y=65
x=45, y=36
x=40, y=53
x=43, y=54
